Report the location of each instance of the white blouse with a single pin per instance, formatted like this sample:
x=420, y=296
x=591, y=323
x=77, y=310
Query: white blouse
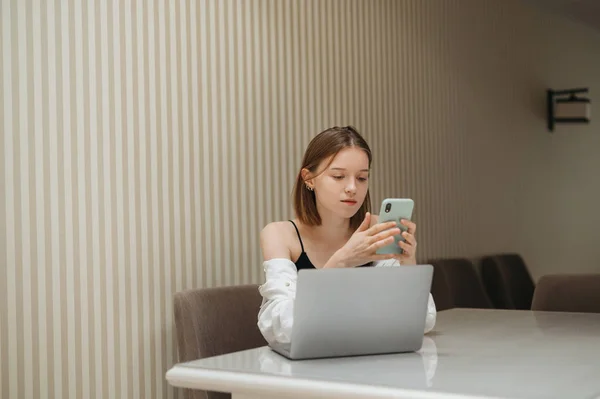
x=276, y=314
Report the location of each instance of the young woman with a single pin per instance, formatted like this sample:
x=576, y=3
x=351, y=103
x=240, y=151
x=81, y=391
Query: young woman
x=333, y=228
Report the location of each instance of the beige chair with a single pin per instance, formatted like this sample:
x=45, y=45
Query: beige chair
x=567, y=293
x=216, y=321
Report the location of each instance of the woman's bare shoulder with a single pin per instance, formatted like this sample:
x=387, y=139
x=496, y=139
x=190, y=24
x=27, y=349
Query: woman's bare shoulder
x=276, y=240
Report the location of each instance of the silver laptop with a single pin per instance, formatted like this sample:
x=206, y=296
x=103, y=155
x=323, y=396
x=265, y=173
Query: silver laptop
x=358, y=311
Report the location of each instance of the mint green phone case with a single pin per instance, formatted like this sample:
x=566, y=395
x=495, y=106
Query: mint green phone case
x=395, y=209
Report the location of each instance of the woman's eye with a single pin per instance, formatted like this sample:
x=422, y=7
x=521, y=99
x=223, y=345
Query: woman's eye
x=338, y=177
x=362, y=179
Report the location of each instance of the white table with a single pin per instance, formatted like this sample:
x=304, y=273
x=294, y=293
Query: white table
x=471, y=353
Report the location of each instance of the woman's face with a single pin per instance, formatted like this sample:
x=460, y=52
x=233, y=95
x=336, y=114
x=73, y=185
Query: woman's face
x=341, y=188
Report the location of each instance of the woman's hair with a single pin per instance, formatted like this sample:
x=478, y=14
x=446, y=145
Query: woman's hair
x=327, y=144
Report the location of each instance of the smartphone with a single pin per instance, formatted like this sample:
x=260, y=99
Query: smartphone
x=395, y=209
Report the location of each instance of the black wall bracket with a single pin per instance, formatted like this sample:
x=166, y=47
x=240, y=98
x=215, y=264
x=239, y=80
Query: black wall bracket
x=551, y=100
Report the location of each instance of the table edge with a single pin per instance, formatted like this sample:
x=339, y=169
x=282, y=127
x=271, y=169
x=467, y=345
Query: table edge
x=247, y=383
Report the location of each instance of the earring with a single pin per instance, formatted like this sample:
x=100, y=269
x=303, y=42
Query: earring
x=309, y=187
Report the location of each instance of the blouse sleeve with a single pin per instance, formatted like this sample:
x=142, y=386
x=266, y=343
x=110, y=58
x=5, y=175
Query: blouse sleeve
x=275, y=317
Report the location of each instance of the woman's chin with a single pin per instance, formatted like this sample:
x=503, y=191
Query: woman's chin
x=348, y=212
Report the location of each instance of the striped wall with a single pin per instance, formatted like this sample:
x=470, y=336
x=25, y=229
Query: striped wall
x=146, y=142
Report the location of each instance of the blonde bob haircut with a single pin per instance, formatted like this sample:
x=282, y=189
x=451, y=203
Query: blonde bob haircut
x=327, y=144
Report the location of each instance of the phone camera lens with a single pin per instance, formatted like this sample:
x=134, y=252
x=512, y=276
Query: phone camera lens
x=388, y=207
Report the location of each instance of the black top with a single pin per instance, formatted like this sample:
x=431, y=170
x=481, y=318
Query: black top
x=303, y=262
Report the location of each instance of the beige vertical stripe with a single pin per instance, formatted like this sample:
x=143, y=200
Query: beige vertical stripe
x=40, y=362
x=15, y=205
x=155, y=278
x=269, y=93
x=163, y=193
x=234, y=181
x=76, y=112
x=24, y=255
x=248, y=166
x=120, y=83
x=3, y=266
x=55, y=353
x=292, y=62
x=97, y=356
x=242, y=216
x=8, y=333
x=22, y=201
x=219, y=51
x=195, y=151
x=3, y=224
x=256, y=159
x=106, y=243
x=311, y=67
x=280, y=59
x=36, y=202
x=45, y=283
x=179, y=151
x=185, y=143
x=131, y=210
x=302, y=64
x=334, y=51
x=154, y=183
x=81, y=212
x=137, y=202
x=216, y=183
x=173, y=129
x=143, y=249
x=128, y=221
x=205, y=107
x=66, y=154
x=227, y=144
x=86, y=290
x=175, y=216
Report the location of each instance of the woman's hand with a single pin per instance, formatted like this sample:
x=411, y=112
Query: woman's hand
x=409, y=246
x=363, y=244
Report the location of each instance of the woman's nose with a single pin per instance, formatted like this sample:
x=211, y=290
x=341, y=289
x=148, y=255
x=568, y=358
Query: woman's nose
x=351, y=187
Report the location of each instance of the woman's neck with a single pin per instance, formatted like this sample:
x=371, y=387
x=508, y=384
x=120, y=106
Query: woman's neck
x=333, y=227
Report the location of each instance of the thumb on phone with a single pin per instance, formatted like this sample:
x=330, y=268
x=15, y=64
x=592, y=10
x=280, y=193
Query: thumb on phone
x=365, y=223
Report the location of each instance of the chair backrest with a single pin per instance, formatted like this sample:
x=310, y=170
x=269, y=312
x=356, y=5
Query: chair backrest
x=567, y=293
x=463, y=282
x=216, y=321
x=440, y=290
x=507, y=281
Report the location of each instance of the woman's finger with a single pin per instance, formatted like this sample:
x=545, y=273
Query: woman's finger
x=405, y=245
x=379, y=227
x=407, y=248
x=385, y=234
x=410, y=239
x=365, y=223
x=380, y=243
x=412, y=227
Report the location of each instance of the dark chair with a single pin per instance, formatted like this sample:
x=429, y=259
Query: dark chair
x=568, y=293
x=466, y=289
x=440, y=290
x=507, y=281
x=216, y=321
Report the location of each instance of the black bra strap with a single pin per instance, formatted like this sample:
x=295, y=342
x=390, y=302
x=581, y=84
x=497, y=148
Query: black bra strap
x=298, y=232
